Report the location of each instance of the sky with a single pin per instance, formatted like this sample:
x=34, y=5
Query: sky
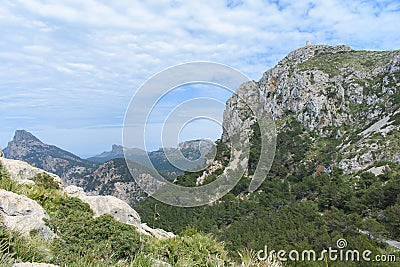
x=69, y=69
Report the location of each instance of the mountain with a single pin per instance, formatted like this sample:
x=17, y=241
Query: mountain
x=27, y=147
x=336, y=170
x=107, y=173
x=117, y=151
x=191, y=150
x=335, y=92
x=108, y=178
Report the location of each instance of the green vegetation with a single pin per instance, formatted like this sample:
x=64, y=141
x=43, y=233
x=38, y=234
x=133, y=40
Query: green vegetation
x=83, y=240
x=223, y=155
x=13, y=246
x=305, y=203
x=331, y=63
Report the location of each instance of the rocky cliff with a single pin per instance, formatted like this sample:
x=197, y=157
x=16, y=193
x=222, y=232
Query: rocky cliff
x=336, y=92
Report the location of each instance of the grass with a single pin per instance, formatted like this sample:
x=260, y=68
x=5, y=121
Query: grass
x=358, y=60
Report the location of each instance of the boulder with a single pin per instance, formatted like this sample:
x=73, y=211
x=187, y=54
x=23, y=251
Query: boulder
x=157, y=233
x=119, y=209
x=23, y=214
x=101, y=205
x=21, y=171
x=378, y=170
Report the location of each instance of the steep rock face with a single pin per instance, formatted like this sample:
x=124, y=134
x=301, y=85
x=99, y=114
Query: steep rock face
x=333, y=91
x=23, y=214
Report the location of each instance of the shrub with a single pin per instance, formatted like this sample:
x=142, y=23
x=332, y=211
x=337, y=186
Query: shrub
x=46, y=181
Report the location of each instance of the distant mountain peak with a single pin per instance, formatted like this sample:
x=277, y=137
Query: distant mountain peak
x=26, y=147
x=118, y=149
x=22, y=135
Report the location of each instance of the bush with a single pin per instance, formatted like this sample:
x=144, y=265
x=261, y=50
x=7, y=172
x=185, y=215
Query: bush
x=46, y=181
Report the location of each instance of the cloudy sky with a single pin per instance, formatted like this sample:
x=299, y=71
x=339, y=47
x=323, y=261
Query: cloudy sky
x=70, y=68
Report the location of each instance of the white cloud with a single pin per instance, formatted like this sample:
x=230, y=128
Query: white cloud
x=94, y=54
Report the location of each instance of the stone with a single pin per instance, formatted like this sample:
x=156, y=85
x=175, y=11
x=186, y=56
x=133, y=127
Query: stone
x=23, y=214
x=378, y=170
x=22, y=171
x=106, y=205
x=157, y=233
x=1, y=154
x=119, y=209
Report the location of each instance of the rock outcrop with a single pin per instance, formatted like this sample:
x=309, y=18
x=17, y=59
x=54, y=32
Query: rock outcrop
x=23, y=214
x=119, y=209
x=106, y=205
x=332, y=91
x=22, y=172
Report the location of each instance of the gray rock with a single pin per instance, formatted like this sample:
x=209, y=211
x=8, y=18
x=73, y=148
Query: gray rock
x=106, y=205
x=23, y=214
x=157, y=233
x=119, y=209
x=1, y=154
x=23, y=172
x=159, y=263
x=378, y=170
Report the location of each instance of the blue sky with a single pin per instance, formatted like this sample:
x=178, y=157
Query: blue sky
x=69, y=68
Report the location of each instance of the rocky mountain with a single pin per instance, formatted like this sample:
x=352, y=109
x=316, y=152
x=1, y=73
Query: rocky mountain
x=109, y=178
x=336, y=92
x=117, y=151
x=25, y=146
x=113, y=178
x=106, y=173
x=336, y=170
x=191, y=150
